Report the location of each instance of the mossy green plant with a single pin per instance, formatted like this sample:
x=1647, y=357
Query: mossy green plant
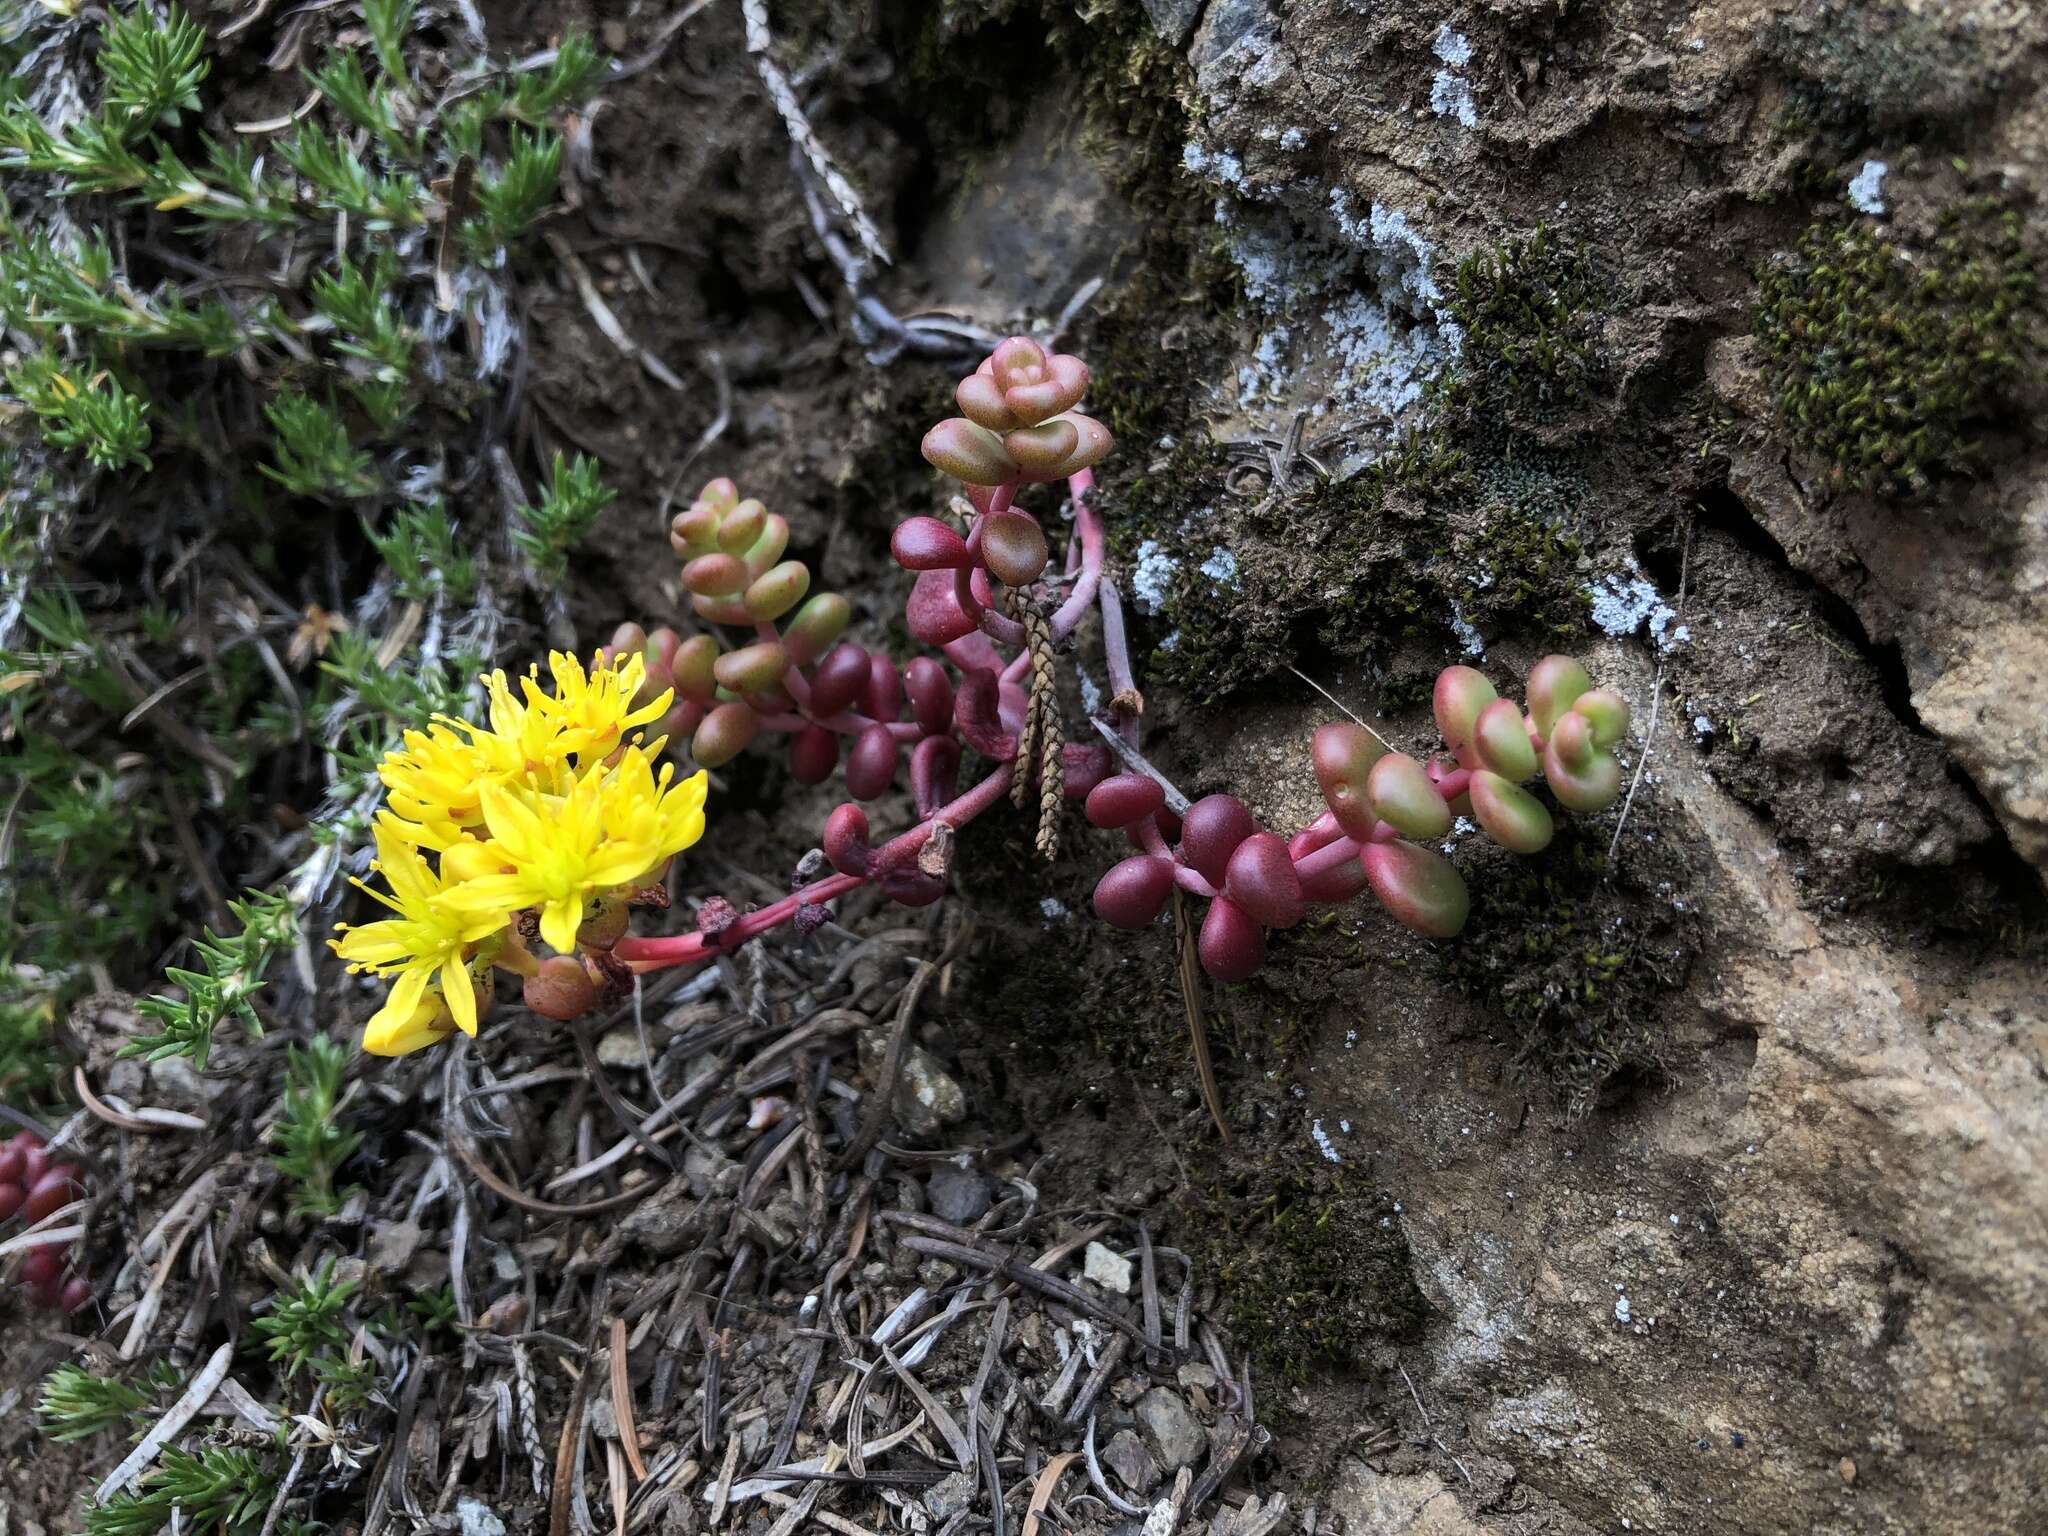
x=1529, y=310
x=1313, y=1267
x=1888, y=361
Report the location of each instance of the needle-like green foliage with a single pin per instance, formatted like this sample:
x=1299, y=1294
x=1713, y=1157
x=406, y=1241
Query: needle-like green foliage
x=425, y=561
x=510, y=201
x=305, y=1323
x=77, y=1405
x=152, y=67
x=315, y=456
x=90, y=412
x=233, y=973
x=569, y=507
x=216, y=1489
x=389, y=21
x=312, y=1144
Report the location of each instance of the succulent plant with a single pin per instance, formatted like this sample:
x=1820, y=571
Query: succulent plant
x=1382, y=807
x=32, y=1187
x=982, y=600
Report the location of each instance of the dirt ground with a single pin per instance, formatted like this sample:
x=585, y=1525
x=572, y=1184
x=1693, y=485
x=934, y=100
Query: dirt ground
x=1695, y=1189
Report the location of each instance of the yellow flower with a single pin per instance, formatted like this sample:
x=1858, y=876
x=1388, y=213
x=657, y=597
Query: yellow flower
x=613, y=828
x=436, y=779
x=423, y=943
x=389, y=1034
x=591, y=712
x=642, y=809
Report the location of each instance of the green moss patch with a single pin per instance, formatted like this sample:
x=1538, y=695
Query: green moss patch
x=1313, y=1267
x=1530, y=313
x=1888, y=362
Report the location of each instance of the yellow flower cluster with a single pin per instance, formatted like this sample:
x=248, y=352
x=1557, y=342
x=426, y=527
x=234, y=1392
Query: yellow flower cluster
x=555, y=808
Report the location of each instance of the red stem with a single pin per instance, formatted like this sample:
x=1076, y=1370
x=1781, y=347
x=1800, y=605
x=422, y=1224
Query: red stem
x=1329, y=857
x=1088, y=529
x=645, y=955
x=1187, y=879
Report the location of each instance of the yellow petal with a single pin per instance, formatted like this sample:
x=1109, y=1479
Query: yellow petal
x=559, y=921
x=501, y=894
x=460, y=992
x=411, y=1019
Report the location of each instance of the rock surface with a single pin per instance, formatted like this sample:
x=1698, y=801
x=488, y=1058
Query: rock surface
x=1170, y=1428
x=1798, y=1287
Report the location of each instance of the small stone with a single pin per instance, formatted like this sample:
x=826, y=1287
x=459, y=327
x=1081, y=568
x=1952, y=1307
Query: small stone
x=1176, y=1437
x=1108, y=1269
x=1198, y=1374
x=667, y=1222
x=392, y=1244
x=959, y=1195
x=1126, y=1456
x=706, y=1170
x=927, y=1099
x=621, y=1048
x=1848, y=1470
x=474, y=1517
x=614, y=36
x=943, y=1500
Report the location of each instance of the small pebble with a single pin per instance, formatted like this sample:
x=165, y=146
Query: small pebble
x=1108, y=1269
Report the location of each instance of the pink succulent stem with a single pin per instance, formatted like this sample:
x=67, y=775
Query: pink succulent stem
x=997, y=627
x=1155, y=844
x=660, y=954
x=1330, y=856
x=845, y=723
x=794, y=680
x=1116, y=651
x=1455, y=783
x=1015, y=671
x=1088, y=530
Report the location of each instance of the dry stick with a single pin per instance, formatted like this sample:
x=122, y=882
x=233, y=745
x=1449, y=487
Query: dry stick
x=651, y=55
x=990, y=1349
x=1042, y=1490
x=720, y=420
x=799, y=1397
x=621, y=1110
x=947, y=1426
x=1107, y=1366
x=181, y=1413
x=473, y=1159
x=1033, y=1279
x=565, y=1458
x=1120, y=1505
x=606, y=321
x=1137, y=762
x=622, y=1400
x=759, y=41
x=138, y=1120
x=1319, y=688
x=1222, y=1462
x=1656, y=701
x=1431, y=1427
x=1148, y=1284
